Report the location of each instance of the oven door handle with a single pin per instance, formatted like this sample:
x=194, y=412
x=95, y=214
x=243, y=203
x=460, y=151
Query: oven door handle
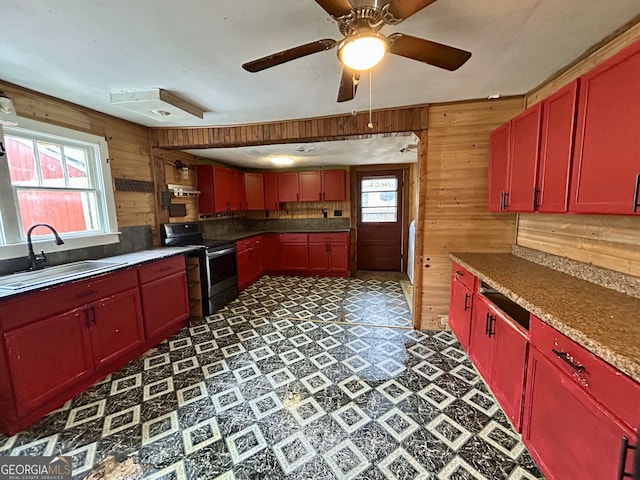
x=220, y=253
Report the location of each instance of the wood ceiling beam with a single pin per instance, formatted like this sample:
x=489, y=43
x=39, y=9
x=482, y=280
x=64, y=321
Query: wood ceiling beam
x=320, y=129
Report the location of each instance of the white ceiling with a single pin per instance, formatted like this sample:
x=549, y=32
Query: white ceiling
x=368, y=151
x=82, y=50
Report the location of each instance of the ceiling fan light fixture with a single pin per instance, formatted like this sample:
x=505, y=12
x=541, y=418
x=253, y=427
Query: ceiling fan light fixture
x=363, y=51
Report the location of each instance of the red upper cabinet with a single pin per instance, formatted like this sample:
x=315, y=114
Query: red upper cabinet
x=224, y=189
x=334, y=186
x=288, y=187
x=524, y=146
x=271, y=191
x=254, y=191
x=606, y=168
x=310, y=186
x=218, y=189
x=205, y=185
x=498, y=167
x=556, y=149
x=241, y=191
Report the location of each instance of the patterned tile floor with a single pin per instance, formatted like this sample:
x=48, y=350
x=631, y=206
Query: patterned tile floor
x=259, y=394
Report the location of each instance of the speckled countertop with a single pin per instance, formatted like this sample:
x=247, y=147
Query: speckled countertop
x=252, y=233
x=118, y=262
x=604, y=321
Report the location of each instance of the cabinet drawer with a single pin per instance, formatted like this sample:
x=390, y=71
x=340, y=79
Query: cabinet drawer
x=293, y=238
x=616, y=391
x=45, y=303
x=161, y=268
x=464, y=276
x=341, y=237
x=247, y=243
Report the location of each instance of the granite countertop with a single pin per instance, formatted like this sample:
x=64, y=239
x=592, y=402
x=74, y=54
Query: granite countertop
x=602, y=320
x=121, y=262
x=252, y=233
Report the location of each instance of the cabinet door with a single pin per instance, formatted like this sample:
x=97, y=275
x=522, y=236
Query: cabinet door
x=47, y=357
x=339, y=257
x=288, y=187
x=116, y=326
x=318, y=257
x=498, y=166
x=270, y=253
x=294, y=257
x=256, y=263
x=165, y=304
x=334, y=186
x=205, y=185
x=244, y=268
x=480, y=342
x=226, y=197
x=556, y=148
x=523, y=159
x=568, y=433
x=271, y=191
x=460, y=304
x=310, y=187
x=511, y=347
x=241, y=191
x=255, y=191
x=607, y=154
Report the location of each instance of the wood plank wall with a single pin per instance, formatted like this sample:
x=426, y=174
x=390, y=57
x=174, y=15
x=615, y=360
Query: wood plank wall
x=606, y=241
x=453, y=181
x=128, y=143
x=319, y=129
x=168, y=174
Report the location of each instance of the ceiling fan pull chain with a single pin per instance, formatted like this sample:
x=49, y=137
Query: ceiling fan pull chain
x=370, y=114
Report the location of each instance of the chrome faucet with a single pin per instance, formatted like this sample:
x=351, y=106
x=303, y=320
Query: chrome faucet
x=37, y=261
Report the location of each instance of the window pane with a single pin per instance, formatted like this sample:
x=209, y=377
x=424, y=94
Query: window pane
x=76, y=160
x=51, y=164
x=380, y=199
x=379, y=184
x=22, y=161
x=379, y=214
x=66, y=211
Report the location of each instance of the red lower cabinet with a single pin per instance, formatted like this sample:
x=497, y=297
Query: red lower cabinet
x=578, y=410
x=569, y=434
x=329, y=253
x=460, y=305
x=498, y=348
x=47, y=357
x=270, y=253
x=249, y=260
x=116, y=327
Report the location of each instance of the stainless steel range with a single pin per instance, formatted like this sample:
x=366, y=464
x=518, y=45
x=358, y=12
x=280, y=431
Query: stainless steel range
x=218, y=270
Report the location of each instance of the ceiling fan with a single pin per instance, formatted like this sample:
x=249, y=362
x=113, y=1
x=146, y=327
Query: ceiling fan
x=363, y=46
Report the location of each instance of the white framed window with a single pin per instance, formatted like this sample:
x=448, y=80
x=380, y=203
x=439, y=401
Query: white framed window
x=379, y=200
x=59, y=176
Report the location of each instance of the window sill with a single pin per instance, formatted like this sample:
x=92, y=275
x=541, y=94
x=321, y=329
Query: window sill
x=16, y=250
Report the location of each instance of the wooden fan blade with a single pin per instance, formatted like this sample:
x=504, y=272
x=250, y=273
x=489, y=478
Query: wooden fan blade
x=348, y=87
x=336, y=8
x=405, y=8
x=433, y=53
x=288, y=55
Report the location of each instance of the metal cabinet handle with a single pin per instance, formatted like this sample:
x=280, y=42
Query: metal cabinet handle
x=86, y=321
x=486, y=324
x=466, y=299
x=534, y=204
x=624, y=447
x=491, y=331
x=459, y=273
x=636, y=190
x=88, y=293
x=504, y=202
x=501, y=201
x=568, y=359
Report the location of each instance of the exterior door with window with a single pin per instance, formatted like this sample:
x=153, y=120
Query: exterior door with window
x=379, y=239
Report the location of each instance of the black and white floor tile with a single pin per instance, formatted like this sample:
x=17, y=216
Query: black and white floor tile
x=246, y=395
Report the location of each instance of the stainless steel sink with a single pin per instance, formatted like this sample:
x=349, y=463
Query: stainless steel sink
x=19, y=281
